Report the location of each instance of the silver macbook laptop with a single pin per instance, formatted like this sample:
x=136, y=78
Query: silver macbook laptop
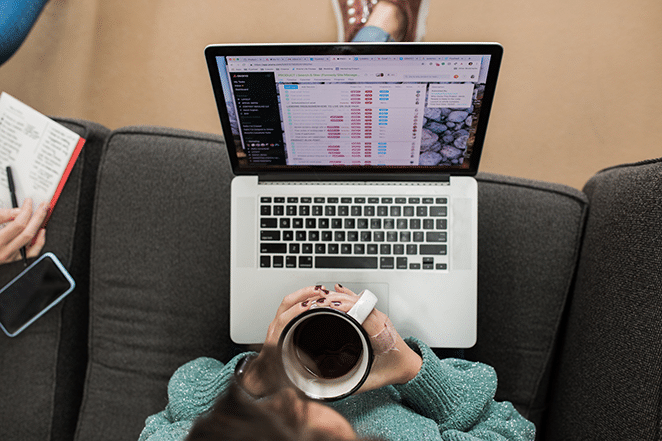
x=354, y=164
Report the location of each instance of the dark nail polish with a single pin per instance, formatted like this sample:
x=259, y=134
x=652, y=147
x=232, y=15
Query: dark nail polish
x=304, y=304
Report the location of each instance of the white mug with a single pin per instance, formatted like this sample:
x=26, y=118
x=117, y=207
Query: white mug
x=326, y=353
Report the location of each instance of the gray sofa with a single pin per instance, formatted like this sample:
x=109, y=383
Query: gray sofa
x=570, y=300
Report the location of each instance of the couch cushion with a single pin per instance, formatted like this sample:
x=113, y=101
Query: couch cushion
x=609, y=384
x=160, y=273
x=529, y=234
x=42, y=369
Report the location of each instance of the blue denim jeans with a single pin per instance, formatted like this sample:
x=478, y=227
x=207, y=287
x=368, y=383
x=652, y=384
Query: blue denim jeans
x=372, y=34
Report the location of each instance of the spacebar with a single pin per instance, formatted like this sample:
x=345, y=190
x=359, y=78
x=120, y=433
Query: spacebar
x=345, y=262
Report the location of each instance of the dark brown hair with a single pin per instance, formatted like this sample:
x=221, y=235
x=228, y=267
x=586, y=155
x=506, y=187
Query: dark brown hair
x=236, y=416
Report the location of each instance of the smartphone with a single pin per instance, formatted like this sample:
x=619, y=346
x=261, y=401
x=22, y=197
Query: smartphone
x=34, y=291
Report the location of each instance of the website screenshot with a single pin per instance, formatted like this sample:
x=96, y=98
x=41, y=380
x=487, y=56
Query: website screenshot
x=355, y=110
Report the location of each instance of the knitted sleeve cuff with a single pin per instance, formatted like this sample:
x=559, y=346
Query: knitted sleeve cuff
x=194, y=387
x=452, y=392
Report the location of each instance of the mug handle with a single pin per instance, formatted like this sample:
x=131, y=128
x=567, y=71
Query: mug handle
x=362, y=309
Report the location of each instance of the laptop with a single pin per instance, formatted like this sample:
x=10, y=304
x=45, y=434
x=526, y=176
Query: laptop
x=354, y=164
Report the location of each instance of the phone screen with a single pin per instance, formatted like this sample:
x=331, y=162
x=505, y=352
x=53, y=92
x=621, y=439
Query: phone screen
x=33, y=292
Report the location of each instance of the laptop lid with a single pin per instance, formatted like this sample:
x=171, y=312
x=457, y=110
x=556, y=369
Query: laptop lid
x=402, y=111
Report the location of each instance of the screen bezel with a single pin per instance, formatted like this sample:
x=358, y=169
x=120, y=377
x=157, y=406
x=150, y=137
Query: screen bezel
x=336, y=172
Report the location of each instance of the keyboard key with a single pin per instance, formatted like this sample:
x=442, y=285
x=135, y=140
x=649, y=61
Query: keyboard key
x=418, y=236
x=291, y=210
x=376, y=224
x=339, y=236
x=270, y=235
x=285, y=222
x=273, y=248
x=279, y=210
x=437, y=211
x=441, y=200
x=265, y=199
x=292, y=200
x=422, y=211
x=398, y=249
x=412, y=249
x=294, y=248
x=288, y=235
x=345, y=248
x=320, y=248
x=435, y=236
x=307, y=248
x=306, y=200
x=323, y=223
x=278, y=261
x=395, y=210
x=362, y=224
x=441, y=224
x=330, y=210
x=265, y=210
x=385, y=248
x=317, y=210
x=356, y=210
x=332, y=248
x=408, y=211
x=401, y=263
x=300, y=236
x=346, y=262
x=290, y=262
x=439, y=250
x=305, y=261
x=372, y=248
x=386, y=263
x=268, y=222
x=369, y=211
x=359, y=248
x=265, y=261
x=343, y=210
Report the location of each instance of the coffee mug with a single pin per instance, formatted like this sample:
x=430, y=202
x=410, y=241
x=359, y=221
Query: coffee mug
x=326, y=353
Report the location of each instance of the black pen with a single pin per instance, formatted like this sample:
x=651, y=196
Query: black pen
x=14, y=202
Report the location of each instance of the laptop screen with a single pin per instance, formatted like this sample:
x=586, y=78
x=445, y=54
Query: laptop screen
x=354, y=107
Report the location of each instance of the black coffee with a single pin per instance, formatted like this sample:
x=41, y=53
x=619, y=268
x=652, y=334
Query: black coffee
x=327, y=345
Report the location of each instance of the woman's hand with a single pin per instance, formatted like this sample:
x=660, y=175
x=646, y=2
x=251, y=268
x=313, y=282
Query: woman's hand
x=22, y=229
x=395, y=362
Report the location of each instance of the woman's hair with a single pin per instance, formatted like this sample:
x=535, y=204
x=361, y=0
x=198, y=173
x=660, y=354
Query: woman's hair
x=236, y=416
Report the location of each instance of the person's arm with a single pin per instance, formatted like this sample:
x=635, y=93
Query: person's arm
x=459, y=396
x=192, y=390
x=22, y=229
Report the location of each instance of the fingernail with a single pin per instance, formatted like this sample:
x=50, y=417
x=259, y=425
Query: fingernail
x=336, y=303
x=325, y=291
x=304, y=304
x=320, y=300
x=318, y=287
x=340, y=286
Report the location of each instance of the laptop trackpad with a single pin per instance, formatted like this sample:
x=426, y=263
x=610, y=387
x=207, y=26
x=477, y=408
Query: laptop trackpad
x=379, y=289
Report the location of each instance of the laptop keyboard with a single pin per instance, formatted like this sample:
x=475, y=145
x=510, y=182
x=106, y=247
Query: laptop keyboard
x=354, y=232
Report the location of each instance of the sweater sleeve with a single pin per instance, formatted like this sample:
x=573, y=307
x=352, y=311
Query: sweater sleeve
x=459, y=396
x=192, y=390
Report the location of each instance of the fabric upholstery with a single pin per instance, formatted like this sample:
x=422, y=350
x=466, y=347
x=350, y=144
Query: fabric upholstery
x=529, y=235
x=42, y=369
x=160, y=273
x=609, y=382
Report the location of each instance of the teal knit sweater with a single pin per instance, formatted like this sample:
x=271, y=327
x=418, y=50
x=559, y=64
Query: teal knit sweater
x=449, y=400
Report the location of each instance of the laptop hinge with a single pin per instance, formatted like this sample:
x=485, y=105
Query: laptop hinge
x=288, y=178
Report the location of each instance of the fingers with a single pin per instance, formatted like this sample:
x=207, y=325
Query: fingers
x=8, y=214
x=299, y=296
x=339, y=288
x=22, y=231
x=35, y=247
